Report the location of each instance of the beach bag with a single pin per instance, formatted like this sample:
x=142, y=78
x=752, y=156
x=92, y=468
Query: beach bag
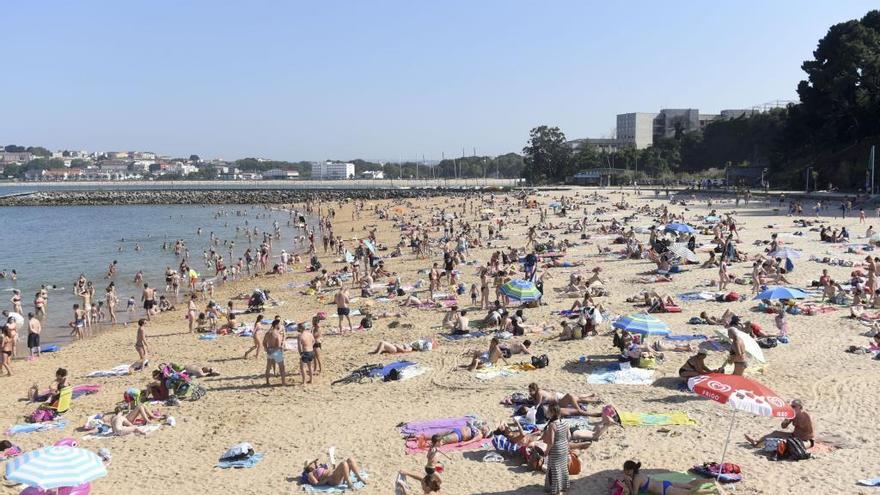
x=696, y=320
x=41, y=416
x=789, y=265
x=574, y=464
x=238, y=452
x=767, y=342
x=198, y=392
x=366, y=322
x=597, y=317
x=792, y=449
x=731, y=297
x=647, y=363
x=393, y=375
x=771, y=444
x=541, y=361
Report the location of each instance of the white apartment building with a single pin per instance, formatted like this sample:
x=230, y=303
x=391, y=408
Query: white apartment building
x=636, y=129
x=332, y=170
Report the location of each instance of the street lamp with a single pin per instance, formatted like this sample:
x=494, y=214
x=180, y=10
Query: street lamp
x=807, y=179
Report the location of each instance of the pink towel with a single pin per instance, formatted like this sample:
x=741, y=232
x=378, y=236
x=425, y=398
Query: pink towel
x=412, y=446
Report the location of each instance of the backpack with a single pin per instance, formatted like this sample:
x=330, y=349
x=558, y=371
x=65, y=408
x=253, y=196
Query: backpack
x=41, y=416
x=540, y=361
x=767, y=342
x=393, y=375
x=366, y=322
x=792, y=449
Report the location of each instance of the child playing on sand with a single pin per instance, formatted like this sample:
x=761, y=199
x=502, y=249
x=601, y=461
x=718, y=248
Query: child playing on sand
x=473, y=294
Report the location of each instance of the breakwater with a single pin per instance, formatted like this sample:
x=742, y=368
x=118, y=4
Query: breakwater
x=213, y=197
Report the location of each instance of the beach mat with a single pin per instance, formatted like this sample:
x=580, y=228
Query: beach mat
x=412, y=446
x=388, y=368
x=121, y=370
x=491, y=372
x=336, y=489
x=240, y=464
x=655, y=419
x=685, y=337
x=674, y=477
x=620, y=374
x=472, y=335
x=869, y=482
x=59, y=424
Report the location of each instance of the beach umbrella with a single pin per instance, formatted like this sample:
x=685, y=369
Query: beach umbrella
x=55, y=467
x=749, y=344
x=712, y=219
x=786, y=252
x=681, y=250
x=521, y=290
x=780, y=292
x=555, y=204
x=679, y=227
x=448, y=216
x=642, y=323
x=369, y=245
x=875, y=237
x=740, y=394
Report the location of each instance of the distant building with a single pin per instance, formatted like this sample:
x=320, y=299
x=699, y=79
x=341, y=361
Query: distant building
x=15, y=157
x=278, y=174
x=596, y=176
x=372, y=174
x=641, y=130
x=636, y=129
x=332, y=170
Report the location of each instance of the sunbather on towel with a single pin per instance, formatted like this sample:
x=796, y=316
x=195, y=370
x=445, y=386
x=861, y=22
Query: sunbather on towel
x=631, y=482
x=59, y=383
x=472, y=431
x=547, y=397
x=481, y=360
x=391, y=348
x=322, y=474
x=660, y=346
x=124, y=424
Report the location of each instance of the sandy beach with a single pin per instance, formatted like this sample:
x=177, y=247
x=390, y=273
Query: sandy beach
x=296, y=423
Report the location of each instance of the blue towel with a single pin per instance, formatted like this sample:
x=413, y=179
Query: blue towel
x=32, y=427
x=686, y=337
x=243, y=463
x=383, y=371
x=870, y=482
x=208, y=336
x=50, y=348
x=336, y=489
x=450, y=336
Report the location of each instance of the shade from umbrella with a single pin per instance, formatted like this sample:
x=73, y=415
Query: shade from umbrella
x=786, y=252
x=679, y=227
x=749, y=344
x=741, y=394
x=780, y=292
x=55, y=467
x=681, y=250
x=521, y=290
x=642, y=323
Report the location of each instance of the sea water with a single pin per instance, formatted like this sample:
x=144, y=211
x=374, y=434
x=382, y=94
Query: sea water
x=53, y=245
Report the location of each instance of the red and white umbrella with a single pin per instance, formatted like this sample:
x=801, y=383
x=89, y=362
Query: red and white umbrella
x=741, y=394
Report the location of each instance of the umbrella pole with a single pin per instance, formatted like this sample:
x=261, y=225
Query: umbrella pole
x=726, y=442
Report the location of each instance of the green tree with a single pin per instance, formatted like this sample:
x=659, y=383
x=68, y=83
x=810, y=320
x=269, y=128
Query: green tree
x=547, y=157
x=39, y=151
x=586, y=157
x=13, y=148
x=194, y=158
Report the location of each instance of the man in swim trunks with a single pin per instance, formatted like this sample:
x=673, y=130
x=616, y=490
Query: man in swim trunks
x=273, y=343
x=342, y=309
x=306, y=344
x=149, y=299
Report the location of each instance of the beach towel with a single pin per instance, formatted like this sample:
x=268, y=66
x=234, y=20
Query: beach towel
x=412, y=372
x=50, y=348
x=338, y=488
x=385, y=370
x=491, y=372
x=413, y=447
x=697, y=296
x=655, y=419
x=10, y=453
x=147, y=429
x=451, y=336
x=869, y=482
x=431, y=426
x=77, y=392
x=58, y=424
x=121, y=370
x=241, y=463
x=621, y=374
x=208, y=336
x=684, y=478
x=685, y=337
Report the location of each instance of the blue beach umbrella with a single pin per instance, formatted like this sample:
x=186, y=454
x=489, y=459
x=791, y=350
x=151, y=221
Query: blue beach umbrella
x=521, y=290
x=642, y=323
x=679, y=227
x=780, y=292
x=55, y=467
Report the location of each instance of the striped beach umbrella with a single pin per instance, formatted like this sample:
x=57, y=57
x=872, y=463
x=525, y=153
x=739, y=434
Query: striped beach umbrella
x=521, y=290
x=681, y=250
x=642, y=323
x=55, y=467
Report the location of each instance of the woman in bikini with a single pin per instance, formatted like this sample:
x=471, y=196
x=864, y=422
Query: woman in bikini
x=633, y=483
x=545, y=397
x=322, y=474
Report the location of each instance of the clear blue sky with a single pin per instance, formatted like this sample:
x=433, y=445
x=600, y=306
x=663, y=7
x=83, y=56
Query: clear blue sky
x=383, y=79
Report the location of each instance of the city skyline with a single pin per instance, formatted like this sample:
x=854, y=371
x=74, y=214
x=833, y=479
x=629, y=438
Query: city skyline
x=394, y=81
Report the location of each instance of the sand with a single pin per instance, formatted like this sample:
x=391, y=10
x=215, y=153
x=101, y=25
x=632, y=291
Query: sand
x=295, y=423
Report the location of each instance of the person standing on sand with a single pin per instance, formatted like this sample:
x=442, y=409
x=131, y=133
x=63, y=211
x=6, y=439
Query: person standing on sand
x=148, y=296
x=342, y=309
x=33, y=341
x=192, y=312
x=316, y=331
x=140, y=345
x=306, y=345
x=258, y=338
x=6, y=350
x=111, y=300
x=273, y=344
x=737, y=353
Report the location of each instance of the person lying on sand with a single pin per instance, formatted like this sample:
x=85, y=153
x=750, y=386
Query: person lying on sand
x=391, y=348
x=632, y=482
x=472, y=431
x=324, y=475
x=541, y=397
x=480, y=360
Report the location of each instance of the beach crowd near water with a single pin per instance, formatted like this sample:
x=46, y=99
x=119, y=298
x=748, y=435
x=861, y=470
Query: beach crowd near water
x=577, y=340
